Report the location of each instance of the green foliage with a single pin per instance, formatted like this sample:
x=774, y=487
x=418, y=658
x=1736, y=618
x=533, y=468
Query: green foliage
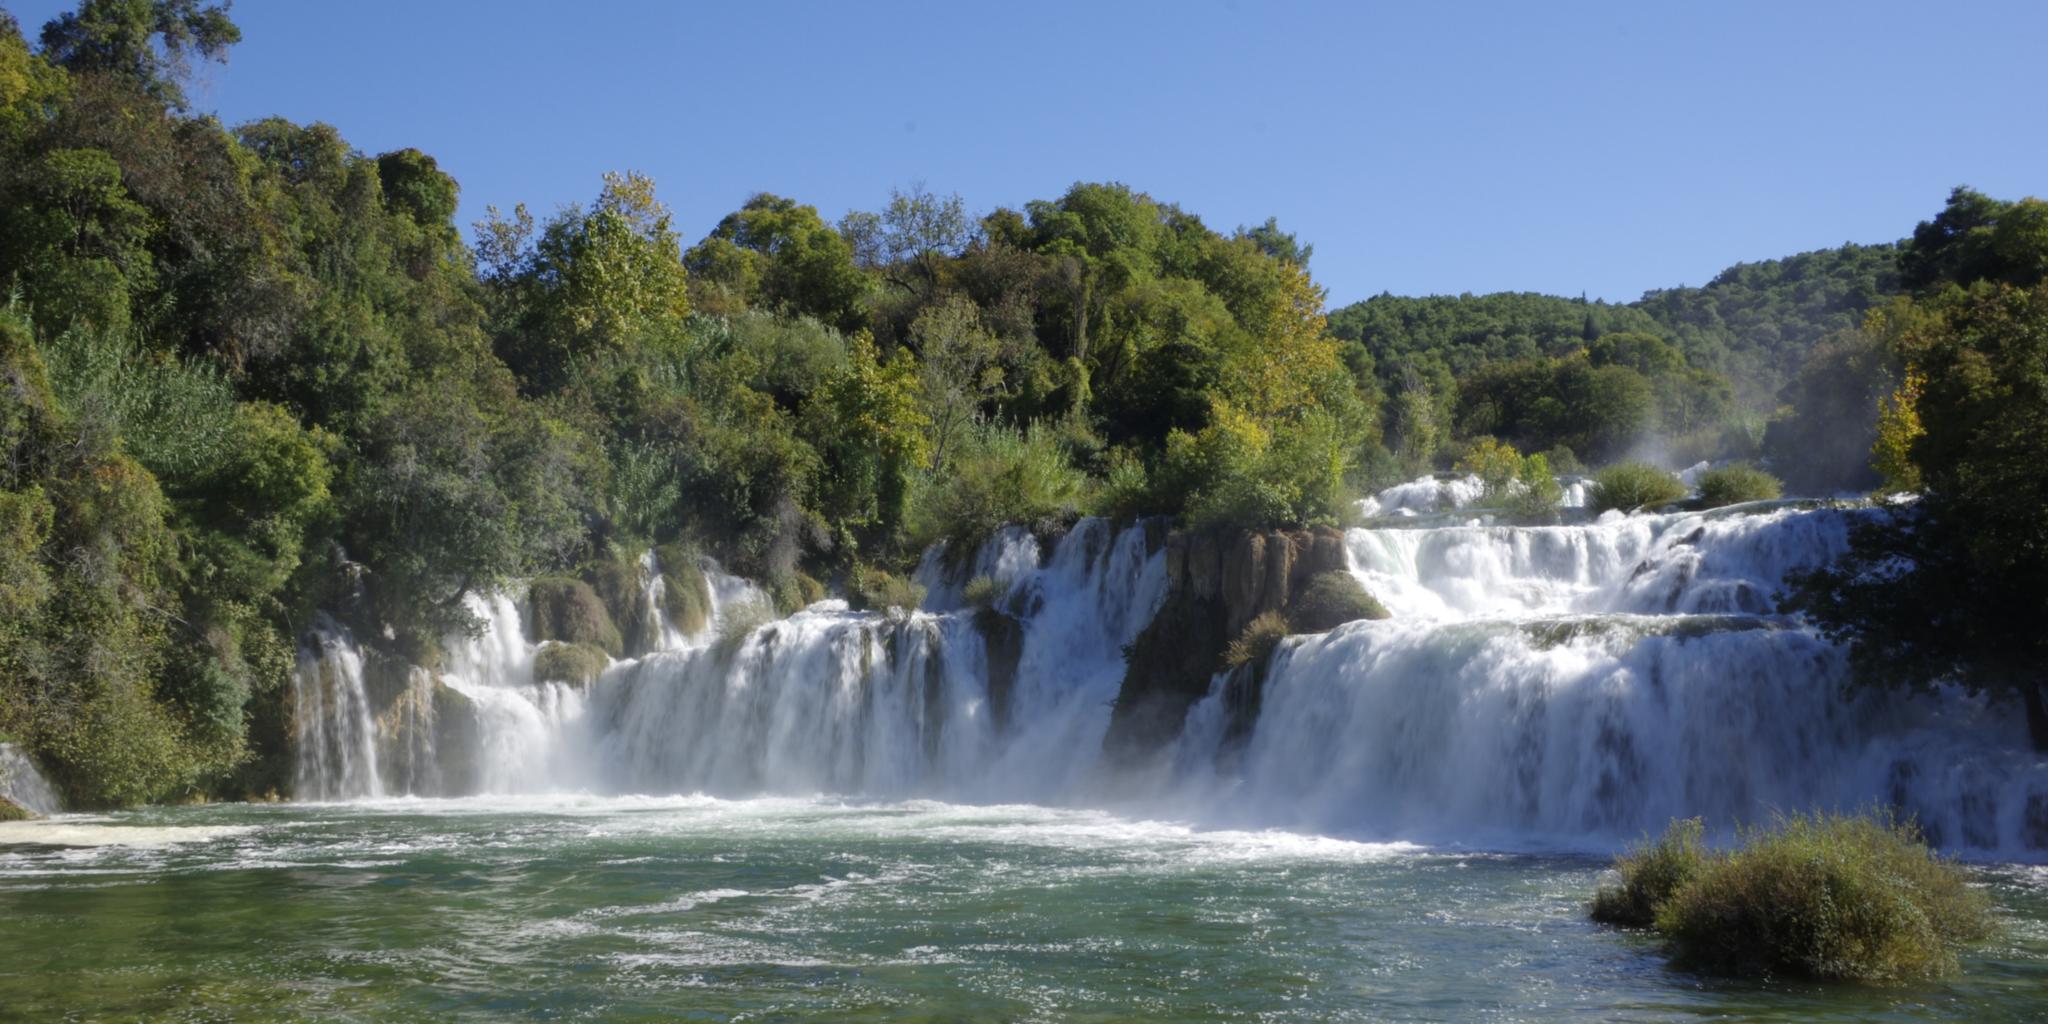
x=1757, y=323
x=1632, y=486
x=570, y=611
x=1256, y=644
x=980, y=592
x=1651, y=873
x=1522, y=486
x=11, y=811
x=1826, y=896
x=871, y=589
x=999, y=476
x=778, y=255
x=1331, y=599
x=1496, y=465
x=578, y=664
x=1948, y=587
x=1735, y=483
x=795, y=592
x=148, y=42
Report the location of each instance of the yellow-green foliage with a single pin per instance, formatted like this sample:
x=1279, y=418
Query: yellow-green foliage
x=1848, y=897
x=1332, y=599
x=1629, y=486
x=1736, y=483
x=871, y=589
x=1650, y=873
x=1496, y=464
x=980, y=592
x=577, y=664
x=570, y=611
x=1258, y=640
x=1898, y=426
x=997, y=476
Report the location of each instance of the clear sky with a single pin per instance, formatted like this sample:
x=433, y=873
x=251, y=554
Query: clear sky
x=1596, y=148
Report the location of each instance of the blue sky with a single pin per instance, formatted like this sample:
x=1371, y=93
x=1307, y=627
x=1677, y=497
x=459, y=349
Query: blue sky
x=1596, y=148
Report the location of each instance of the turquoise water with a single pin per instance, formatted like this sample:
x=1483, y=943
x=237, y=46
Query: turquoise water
x=763, y=910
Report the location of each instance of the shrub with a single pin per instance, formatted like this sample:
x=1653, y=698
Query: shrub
x=981, y=592
x=871, y=589
x=1000, y=475
x=1827, y=896
x=1332, y=599
x=1495, y=464
x=1736, y=483
x=1632, y=485
x=1537, y=492
x=1256, y=643
x=576, y=664
x=795, y=592
x=570, y=611
x=1846, y=897
x=1650, y=873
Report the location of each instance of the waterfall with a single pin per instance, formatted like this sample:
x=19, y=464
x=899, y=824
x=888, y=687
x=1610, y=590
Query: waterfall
x=908, y=704
x=24, y=785
x=1574, y=685
x=336, y=736
x=1560, y=684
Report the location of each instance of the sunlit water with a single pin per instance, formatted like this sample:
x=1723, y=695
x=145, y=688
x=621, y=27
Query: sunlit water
x=571, y=908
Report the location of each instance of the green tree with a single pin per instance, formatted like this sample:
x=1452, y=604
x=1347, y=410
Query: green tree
x=150, y=43
x=779, y=255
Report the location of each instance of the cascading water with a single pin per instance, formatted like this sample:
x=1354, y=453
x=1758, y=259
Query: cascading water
x=926, y=703
x=23, y=784
x=336, y=734
x=1574, y=684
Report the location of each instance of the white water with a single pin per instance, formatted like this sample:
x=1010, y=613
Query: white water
x=1568, y=685
x=23, y=783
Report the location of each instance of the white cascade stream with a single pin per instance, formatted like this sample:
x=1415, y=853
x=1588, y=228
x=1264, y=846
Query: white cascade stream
x=1568, y=685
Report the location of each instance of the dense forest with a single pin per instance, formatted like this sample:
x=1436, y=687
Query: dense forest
x=251, y=372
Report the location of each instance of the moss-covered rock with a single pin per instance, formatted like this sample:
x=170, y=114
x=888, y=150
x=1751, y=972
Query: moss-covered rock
x=685, y=593
x=1167, y=668
x=11, y=811
x=795, y=592
x=1332, y=599
x=623, y=590
x=570, y=611
x=576, y=664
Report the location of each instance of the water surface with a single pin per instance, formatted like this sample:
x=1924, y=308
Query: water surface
x=690, y=908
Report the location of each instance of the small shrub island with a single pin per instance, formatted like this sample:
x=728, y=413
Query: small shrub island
x=1824, y=896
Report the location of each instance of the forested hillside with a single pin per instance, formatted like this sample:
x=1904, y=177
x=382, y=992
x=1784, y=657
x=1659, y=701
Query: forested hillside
x=251, y=372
